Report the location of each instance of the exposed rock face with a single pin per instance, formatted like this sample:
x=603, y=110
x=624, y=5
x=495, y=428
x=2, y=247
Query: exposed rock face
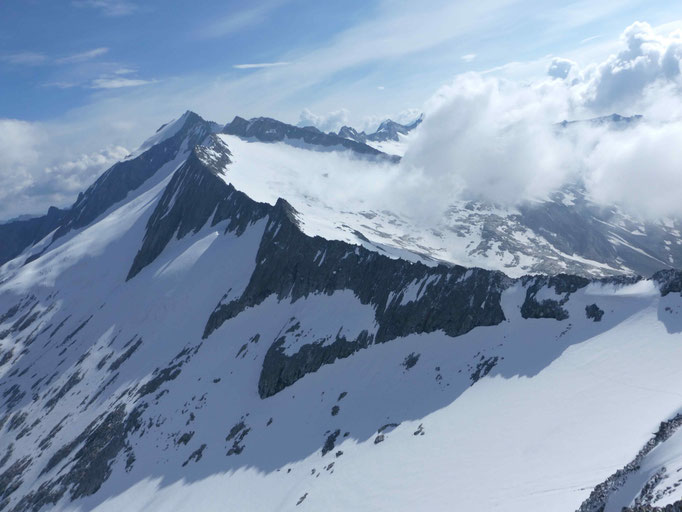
x=572, y=224
x=599, y=497
x=669, y=281
x=403, y=298
x=194, y=194
x=348, y=132
x=673, y=507
x=289, y=266
x=265, y=129
x=95, y=450
x=123, y=177
x=594, y=312
x=562, y=284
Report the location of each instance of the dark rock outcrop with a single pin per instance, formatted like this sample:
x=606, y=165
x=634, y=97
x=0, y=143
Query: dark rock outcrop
x=594, y=312
x=348, y=132
x=110, y=188
x=266, y=129
x=599, y=497
x=673, y=507
x=562, y=284
x=289, y=266
x=669, y=281
x=194, y=195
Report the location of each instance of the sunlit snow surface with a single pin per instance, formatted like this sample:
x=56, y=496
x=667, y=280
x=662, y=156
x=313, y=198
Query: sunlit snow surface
x=352, y=198
x=567, y=404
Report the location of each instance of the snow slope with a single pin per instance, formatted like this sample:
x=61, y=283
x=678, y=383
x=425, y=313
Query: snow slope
x=332, y=195
x=250, y=366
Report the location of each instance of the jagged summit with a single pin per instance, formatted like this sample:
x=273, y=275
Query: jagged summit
x=388, y=130
x=266, y=129
x=171, y=142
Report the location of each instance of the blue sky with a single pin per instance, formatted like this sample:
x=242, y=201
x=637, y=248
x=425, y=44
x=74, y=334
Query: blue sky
x=379, y=57
x=84, y=78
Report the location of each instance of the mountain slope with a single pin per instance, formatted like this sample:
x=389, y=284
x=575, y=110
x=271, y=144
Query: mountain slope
x=565, y=233
x=194, y=347
x=171, y=143
x=340, y=196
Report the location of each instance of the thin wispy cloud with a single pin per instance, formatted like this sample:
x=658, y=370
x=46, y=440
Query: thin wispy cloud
x=25, y=58
x=588, y=39
x=118, y=82
x=237, y=21
x=469, y=57
x=37, y=58
x=83, y=56
x=109, y=7
x=259, y=65
x=60, y=84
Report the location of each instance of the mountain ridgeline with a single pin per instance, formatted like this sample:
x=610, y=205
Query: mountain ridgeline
x=187, y=345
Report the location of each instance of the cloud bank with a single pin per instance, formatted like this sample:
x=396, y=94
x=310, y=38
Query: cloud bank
x=483, y=138
x=500, y=141
x=35, y=172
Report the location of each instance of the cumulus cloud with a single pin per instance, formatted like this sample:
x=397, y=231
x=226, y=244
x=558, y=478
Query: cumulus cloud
x=483, y=138
x=638, y=169
x=560, y=68
x=331, y=121
x=647, y=59
x=36, y=174
x=488, y=139
x=500, y=141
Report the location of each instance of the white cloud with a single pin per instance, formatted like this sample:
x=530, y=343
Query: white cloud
x=235, y=22
x=83, y=56
x=112, y=8
x=118, y=82
x=488, y=139
x=260, y=65
x=326, y=122
x=560, y=68
x=512, y=119
x=646, y=58
x=25, y=58
x=588, y=39
x=496, y=140
x=638, y=169
x=36, y=171
x=469, y=57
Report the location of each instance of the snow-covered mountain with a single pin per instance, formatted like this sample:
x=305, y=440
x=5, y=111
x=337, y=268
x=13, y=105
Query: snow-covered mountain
x=199, y=331
x=566, y=232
